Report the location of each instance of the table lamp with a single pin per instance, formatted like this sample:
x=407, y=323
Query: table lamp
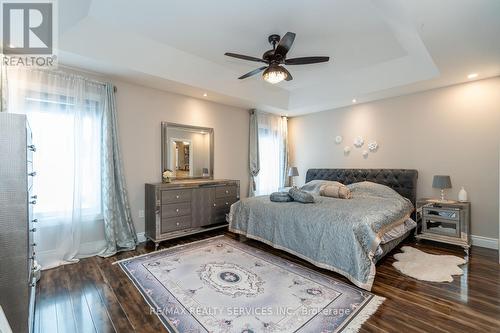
x=441, y=182
x=293, y=172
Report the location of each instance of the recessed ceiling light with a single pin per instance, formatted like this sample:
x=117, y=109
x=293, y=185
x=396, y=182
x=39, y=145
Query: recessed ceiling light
x=472, y=76
x=354, y=100
x=205, y=95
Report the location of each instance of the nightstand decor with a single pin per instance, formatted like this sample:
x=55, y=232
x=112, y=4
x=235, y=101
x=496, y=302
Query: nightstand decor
x=441, y=182
x=293, y=172
x=462, y=195
x=446, y=222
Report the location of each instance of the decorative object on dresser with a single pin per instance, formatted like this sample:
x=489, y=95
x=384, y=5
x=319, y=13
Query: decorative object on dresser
x=446, y=222
x=292, y=173
x=186, y=207
x=167, y=176
x=17, y=281
x=441, y=182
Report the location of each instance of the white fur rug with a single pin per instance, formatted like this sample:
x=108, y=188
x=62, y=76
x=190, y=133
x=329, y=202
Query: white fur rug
x=427, y=267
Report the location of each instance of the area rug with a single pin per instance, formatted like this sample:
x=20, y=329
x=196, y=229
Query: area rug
x=428, y=267
x=222, y=285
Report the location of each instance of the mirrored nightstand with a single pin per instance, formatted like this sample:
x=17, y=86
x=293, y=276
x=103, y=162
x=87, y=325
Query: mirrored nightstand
x=446, y=222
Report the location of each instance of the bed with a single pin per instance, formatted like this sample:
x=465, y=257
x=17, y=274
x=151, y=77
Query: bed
x=342, y=235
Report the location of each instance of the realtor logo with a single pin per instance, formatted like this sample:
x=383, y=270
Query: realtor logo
x=28, y=29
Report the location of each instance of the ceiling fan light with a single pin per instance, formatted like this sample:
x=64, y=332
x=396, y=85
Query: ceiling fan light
x=274, y=74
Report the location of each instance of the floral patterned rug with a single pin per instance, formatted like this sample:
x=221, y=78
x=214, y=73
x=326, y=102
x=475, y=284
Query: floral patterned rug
x=222, y=285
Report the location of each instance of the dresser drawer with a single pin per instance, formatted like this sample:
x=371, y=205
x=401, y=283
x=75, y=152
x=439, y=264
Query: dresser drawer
x=175, y=223
x=224, y=204
x=175, y=196
x=176, y=209
x=225, y=191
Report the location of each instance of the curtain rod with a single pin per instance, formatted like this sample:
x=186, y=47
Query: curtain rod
x=79, y=72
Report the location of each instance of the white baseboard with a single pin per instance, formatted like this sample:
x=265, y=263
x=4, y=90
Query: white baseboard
x=141, y=237
x=490, y=243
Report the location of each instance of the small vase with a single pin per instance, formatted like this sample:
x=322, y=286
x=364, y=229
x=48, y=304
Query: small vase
x=462, y=195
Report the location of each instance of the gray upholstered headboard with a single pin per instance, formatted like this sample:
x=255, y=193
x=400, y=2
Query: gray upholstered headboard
x=403, y=181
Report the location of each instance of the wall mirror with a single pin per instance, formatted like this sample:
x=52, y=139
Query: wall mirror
x=187, y=150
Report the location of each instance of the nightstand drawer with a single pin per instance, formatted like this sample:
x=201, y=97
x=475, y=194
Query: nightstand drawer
x=442, y=213
x=440, y=226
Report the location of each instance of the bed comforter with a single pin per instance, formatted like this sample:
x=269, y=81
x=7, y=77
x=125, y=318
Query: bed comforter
x=341, y=235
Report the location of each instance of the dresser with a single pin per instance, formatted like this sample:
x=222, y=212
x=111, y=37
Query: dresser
x=187, y=207
x=17, y=281
x=446, y=222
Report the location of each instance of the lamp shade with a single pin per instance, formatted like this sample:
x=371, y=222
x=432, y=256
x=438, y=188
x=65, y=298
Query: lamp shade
x=293, y=172
x=441, y=182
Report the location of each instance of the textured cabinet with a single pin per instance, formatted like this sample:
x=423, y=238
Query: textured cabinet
x=17, y=282
x=186, y=207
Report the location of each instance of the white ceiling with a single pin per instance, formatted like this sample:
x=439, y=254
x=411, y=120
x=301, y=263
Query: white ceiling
x=379, y=48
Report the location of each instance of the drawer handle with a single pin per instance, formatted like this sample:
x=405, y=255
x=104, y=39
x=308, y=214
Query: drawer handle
x=34, y=220
x=33, y=202
x=215, y=205
x=33, y=230
x=32, y=148
x=32, y=284
x=34, y=244
x=227, y=203
x=34, y=196
x=177, y=197
x=177, y=224
x=32, y=174
x=227, y=192
x=177, y=210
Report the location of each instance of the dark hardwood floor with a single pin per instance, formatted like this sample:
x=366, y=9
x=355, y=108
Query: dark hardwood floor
x=96, y=296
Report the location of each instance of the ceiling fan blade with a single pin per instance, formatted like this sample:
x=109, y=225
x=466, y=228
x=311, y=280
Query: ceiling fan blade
x=285, y=44
x=244, y=57
x=289, y=76
x=255, y=71
x=306, y=60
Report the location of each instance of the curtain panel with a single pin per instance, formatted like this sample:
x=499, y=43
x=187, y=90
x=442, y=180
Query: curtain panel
x=271, y=152
x=253, y=153
x=82, y=206
x=118, y=225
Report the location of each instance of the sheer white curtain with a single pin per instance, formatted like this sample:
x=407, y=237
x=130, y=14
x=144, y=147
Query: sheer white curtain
x=272, y=141
x=65, y=113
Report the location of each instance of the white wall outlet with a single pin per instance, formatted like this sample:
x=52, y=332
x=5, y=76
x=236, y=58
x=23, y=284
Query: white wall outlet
x=141, y=213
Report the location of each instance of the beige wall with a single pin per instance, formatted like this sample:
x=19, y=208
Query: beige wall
x=140, y=112
x=453, y=130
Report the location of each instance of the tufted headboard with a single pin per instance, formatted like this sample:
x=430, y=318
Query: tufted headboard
x=403, y=181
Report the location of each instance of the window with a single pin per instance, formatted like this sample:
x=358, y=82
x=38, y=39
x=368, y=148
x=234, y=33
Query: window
x=67, y=135
x=272, y=133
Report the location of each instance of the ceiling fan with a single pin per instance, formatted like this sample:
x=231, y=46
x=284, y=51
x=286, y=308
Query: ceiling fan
x=274, y=72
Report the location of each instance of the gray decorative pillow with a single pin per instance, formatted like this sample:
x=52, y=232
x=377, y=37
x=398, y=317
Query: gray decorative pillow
x=301, y=195
x=280, y=197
